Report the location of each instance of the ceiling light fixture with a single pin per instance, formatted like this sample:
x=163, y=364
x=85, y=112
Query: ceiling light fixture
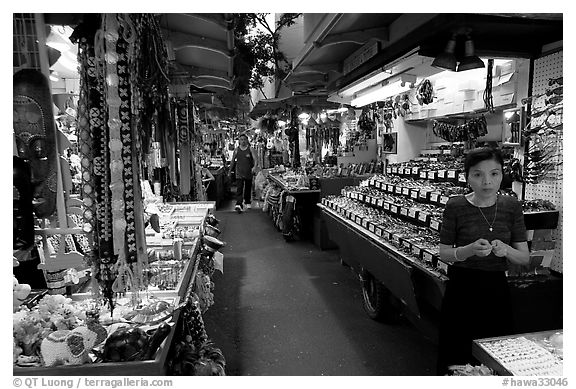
x=385, y=89
x=447, y=59
x=470, y=60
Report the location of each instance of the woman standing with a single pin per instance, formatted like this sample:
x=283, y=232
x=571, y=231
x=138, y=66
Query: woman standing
x=244, y=166
x=481, y=233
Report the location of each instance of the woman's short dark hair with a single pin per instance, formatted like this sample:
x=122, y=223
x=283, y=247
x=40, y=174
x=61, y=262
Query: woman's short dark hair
x=476, y=156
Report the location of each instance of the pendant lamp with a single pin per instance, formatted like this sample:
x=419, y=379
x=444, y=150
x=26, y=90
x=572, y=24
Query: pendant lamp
x=447, y=59
x=470, y=60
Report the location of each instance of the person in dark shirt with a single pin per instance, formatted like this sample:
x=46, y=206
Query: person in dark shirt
x=244, y=166
x=481, y=233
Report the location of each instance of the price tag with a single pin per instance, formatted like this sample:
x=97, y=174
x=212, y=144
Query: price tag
x=435, y=224
x=416, y=251
x=412, y=213
x=388, y=170
x=219, y=261
x=415, y=170
x=407, y=171
x=362, y=197
x=394, y=170
x=403, y=211
x=364, y=223
x=423, y=194
x=398, y=189
x=373, y=200
x=393, y=208
x=423, y=217
x=443, y=266
x=433, y=159
x=371, y=227
x=427, y=257
x=380, y=202
x=444, y=199
x=358, y=219
x=461, y=177
x=441, y=173
x=406, y=191
x=407, y=244
x=451, y=173
x=390, y=188
x=414, y=194
x=378, y=231
x=378, y=185
x=423, y=174
x=349, y=214
x=385, y=205
x=431, y=175
x=434, y=197
x=395, y=238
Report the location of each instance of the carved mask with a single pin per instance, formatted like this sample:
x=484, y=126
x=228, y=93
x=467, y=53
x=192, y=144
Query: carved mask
x=35, y=136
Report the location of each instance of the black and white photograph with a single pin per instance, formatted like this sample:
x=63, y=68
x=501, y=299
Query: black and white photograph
x=371, y=195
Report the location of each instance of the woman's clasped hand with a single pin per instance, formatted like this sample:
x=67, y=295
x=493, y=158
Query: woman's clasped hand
x=483, y=248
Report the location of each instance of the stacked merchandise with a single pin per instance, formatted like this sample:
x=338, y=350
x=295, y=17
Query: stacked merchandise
x=405, y=206
x=57, y=330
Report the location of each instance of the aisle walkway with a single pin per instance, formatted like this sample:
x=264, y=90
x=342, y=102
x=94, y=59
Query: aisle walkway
x=292, y=309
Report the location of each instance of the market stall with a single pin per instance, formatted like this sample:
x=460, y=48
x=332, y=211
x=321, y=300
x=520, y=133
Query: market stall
x=141, y=339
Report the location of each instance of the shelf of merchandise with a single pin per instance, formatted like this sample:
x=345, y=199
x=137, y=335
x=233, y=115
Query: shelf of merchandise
x=158, y=365
x=403, y=268
x=522, y=354
x=413, y=273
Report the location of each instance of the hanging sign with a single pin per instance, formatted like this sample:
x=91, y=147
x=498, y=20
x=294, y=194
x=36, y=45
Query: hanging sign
x=360, y=56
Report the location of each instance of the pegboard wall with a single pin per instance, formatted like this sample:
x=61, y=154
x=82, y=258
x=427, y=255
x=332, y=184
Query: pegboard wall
x=26, y=52
x=546, y=68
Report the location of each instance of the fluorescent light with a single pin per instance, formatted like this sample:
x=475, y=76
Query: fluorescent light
x=304, y=116
x=54, y=78
x=323, y=115
x=339, y=110
x=350, y=90
x=384, y=90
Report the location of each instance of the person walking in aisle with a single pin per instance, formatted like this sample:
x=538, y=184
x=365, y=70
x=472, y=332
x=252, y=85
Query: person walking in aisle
x=481, y=234
x=244, y=166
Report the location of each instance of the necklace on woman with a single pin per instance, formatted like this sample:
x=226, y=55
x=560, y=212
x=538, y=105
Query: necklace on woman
x=490, y=225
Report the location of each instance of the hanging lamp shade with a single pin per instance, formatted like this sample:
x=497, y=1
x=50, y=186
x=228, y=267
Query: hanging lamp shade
x=470, y=60
x=447, y=59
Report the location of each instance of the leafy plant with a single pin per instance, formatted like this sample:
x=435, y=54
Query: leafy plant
x=257, y=47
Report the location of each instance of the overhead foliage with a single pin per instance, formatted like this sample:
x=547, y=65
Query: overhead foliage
x=258, y=57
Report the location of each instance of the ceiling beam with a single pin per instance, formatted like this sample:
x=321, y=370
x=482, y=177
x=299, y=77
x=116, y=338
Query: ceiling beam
x=212, y=83
x=358, y=37
x=181, y=40
x=319, y=68
x=307, y=78
x=199, y=71
x=222, y=20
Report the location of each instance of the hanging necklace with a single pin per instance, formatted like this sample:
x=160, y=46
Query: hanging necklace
x=490, y=225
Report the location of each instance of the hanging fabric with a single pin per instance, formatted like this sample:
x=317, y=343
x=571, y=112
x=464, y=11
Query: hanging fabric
x=184, y=146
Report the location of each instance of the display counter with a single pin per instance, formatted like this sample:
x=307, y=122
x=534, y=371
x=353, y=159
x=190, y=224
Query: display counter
x=529, y=354
x=409, y=268
x=216, y=190
x=419, y=287
x=173, y=216
x=297, y=220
